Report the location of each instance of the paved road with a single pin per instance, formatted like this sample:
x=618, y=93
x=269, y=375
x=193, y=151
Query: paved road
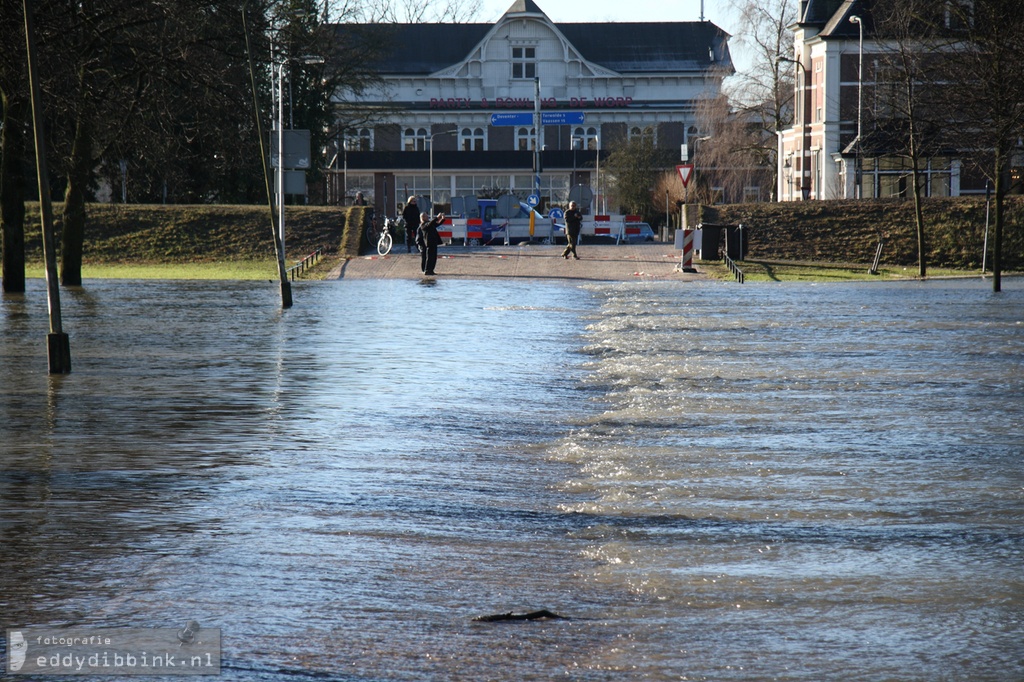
x=599, y=263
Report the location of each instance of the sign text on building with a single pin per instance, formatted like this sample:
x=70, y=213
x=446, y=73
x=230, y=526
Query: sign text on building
x=527, y=103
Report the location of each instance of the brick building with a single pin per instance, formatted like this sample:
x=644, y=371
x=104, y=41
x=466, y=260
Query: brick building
x=839, y=62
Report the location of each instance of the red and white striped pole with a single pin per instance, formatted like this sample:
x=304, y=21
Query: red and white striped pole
x=686, y=258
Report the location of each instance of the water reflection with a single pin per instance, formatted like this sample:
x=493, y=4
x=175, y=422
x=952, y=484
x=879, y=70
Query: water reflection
x=715, y=481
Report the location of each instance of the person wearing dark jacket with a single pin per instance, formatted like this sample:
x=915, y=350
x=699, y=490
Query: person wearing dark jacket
x=428, y=240
x=573, y=224
x=411, y=216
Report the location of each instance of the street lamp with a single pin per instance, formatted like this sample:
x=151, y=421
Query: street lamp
x=280, y=139
x=860, y=92
x=453, y=131
x=799, y=107
x=572, y=143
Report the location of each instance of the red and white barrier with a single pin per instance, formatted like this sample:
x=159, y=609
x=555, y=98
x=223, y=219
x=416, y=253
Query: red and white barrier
x=686, y=257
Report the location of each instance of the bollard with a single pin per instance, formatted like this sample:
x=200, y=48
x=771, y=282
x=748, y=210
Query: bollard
x=686, y=258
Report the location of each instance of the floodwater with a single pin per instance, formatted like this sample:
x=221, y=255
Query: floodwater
x=711, y=481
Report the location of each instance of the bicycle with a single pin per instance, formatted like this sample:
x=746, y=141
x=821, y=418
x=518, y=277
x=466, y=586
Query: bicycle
x=386, y=239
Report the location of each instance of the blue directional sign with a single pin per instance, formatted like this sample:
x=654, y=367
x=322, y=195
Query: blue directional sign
x=533, y=200
x=548, y=118
x=561, y=118
x=512, y=119
x=556, y=213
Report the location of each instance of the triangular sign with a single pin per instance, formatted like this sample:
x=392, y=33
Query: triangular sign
x=685, y=171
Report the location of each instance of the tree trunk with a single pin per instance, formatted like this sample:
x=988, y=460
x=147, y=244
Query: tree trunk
x=73, y=236
x=12, y=197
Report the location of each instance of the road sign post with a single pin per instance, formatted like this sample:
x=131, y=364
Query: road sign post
x=685, y=170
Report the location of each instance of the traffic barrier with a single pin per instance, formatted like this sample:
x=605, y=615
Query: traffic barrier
x=686, y=257
x=457, y=231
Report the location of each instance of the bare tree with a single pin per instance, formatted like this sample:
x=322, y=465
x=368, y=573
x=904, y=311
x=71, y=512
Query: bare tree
x=910, y=96
x=984, y=65
x=735, y=152
x=411, y=11
x=765, y=92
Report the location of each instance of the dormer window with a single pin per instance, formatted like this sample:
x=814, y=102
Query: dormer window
x=524, y=62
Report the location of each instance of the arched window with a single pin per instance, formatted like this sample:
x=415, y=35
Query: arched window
x=587, y=137
x=526, y=139
x=414, y=140
x=642, y=131
x=359, y=140
x=472, y=140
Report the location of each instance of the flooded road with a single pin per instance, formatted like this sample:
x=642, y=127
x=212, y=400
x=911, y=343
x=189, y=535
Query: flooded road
x=800, y=482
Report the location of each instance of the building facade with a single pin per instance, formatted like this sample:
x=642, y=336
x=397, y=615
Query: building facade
x=835, y=148
x=524, y=105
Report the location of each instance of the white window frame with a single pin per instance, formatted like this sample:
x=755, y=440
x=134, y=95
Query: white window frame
x=524, y=62
x=526, y=139
x=414, y=139
x=472, y=139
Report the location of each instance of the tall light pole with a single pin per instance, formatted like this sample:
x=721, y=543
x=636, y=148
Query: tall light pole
x=453, y=131
x=802, y=106
x=280, y=139
x=572, y=143
x=858, y=191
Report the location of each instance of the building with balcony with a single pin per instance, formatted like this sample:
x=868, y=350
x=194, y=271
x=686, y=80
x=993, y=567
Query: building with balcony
x=524, y=105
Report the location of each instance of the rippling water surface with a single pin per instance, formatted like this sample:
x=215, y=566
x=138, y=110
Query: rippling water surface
x=714, y=481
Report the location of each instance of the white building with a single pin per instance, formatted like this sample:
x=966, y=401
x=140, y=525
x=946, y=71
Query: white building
x=463, y=102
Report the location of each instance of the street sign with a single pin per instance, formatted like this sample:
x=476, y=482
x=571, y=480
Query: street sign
x=296, y=149
x=533, y=200
x=561, y=118
x=685, y=171
x=556, y=213
x=512, y=119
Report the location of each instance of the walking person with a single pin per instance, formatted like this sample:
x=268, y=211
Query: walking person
x=573, y=225
x=411, y=216
x=428, y=240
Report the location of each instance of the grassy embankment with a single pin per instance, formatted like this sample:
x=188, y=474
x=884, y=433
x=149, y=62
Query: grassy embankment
x=202, y=242
x=818, y=240
x=836, y=240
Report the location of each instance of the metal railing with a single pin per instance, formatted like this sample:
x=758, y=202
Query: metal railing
x=305, y=264
x=734, y=269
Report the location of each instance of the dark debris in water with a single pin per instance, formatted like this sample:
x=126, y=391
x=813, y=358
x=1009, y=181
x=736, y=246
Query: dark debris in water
x=543, y=614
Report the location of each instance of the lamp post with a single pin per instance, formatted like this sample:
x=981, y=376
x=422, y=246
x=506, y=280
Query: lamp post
x=280, y=140
x=801, y=105
x=858, y=191
x=572, y=183
x=453, y=131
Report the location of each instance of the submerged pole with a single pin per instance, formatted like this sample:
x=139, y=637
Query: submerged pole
x=58, y=346
x=282, y=271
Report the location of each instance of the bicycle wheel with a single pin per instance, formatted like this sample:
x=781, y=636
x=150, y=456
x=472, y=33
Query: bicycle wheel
x=384, y=244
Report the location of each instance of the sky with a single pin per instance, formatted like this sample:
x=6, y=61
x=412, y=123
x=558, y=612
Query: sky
x=719, y=12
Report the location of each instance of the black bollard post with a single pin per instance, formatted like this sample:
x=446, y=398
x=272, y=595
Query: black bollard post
x=58, y=346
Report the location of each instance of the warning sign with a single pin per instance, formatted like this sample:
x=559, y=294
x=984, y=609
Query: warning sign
x=685, y=171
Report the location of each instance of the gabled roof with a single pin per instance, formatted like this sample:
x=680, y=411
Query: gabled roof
x=622, y=47
x=818, y=11
x=524, y=6
x=839, y=24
